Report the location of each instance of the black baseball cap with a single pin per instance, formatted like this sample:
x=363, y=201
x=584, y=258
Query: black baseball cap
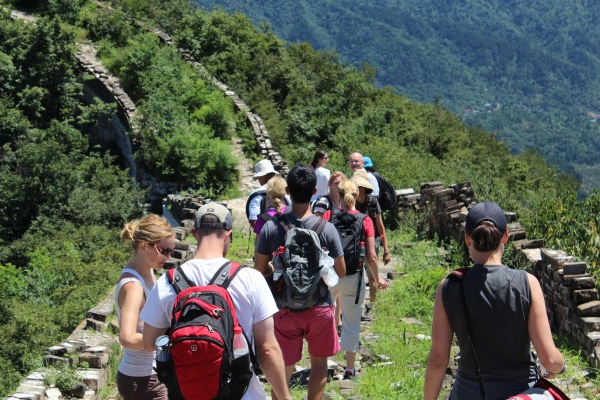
x=485, y=211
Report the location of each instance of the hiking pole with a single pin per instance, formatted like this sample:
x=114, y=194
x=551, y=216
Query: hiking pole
x=360, y=284
x=249, y=238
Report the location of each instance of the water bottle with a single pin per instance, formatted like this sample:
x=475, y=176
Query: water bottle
x=278, y=268
x=240, y=344
x=361, y=257
x=162, y=349
x=278, y=285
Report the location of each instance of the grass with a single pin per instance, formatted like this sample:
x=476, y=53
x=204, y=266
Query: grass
x=402, y=346
x=403, y=324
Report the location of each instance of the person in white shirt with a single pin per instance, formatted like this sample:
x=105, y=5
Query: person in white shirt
x=319, y=162
x=357, y=162
x=263, y=171
x=254, y=304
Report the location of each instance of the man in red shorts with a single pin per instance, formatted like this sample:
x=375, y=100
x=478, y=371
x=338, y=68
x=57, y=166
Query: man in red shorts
x=315, y=324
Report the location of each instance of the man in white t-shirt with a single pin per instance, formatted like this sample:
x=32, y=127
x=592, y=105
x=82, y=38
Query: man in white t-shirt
x=357, y=162
x=254, y=304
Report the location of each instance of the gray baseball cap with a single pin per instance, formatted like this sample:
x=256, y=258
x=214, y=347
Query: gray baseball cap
x=219, y=211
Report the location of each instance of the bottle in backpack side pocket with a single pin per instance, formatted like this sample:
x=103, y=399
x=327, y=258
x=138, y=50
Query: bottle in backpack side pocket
x=278, y=283
x=162, y=349
x=240, y=344
x=165, y=370
x=361, y=257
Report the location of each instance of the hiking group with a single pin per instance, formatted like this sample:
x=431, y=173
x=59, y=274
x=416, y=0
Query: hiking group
x=298, y=244
x=208, y=328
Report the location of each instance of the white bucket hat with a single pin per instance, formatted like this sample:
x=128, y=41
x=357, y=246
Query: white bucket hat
x=262, y=168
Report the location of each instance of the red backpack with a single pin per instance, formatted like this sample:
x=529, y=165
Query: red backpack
x=201, y=341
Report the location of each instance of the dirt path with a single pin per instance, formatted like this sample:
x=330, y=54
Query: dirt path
x=246, y=185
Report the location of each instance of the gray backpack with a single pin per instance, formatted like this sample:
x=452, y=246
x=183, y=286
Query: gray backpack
x=297, y=283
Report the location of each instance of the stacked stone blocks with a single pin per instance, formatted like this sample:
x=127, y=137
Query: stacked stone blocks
x=87, y=345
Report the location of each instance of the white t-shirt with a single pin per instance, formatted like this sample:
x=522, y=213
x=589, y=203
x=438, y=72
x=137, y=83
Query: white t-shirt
x=249, y=292
x=374, y=183
x=323, y=175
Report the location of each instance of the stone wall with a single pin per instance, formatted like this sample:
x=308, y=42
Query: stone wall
x=571, y=294
x=90, y=344
x=183, y=209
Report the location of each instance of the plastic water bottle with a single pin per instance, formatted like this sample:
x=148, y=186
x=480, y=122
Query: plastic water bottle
x=361, y=257
x=278, y=268
x=162, y=348
x=240, y=344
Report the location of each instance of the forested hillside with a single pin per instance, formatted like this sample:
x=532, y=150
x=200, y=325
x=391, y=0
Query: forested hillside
x=527, y=70
x=63, y=201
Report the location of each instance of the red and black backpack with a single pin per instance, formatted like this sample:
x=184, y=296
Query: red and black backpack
x=201, y=340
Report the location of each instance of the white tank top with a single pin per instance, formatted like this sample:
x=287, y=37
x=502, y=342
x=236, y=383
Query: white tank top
x=134, y=362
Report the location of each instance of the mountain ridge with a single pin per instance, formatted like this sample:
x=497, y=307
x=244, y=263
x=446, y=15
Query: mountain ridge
x=538, y=61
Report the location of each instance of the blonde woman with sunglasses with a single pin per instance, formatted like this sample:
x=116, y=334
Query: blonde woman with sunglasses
x=152, y=240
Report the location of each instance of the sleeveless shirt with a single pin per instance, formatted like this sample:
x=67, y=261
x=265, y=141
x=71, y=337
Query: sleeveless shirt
x=134, y=362
x=498, y=300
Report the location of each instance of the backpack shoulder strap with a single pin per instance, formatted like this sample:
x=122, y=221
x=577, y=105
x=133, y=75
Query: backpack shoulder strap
x=179, y=280
x=265, y=216
x=361, y=217
x=285, y=222
x=372, y=201
x=225, y=274
x=458, y=274
x=263, y=204
x=319, y=226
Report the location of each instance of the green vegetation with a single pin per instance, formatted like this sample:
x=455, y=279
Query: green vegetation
x=526, y=70
x=573, y=226
x=64, y=377
x=64, y=202
x=309, y=99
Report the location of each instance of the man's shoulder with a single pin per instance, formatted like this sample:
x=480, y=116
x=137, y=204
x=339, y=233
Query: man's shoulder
x=257, y=194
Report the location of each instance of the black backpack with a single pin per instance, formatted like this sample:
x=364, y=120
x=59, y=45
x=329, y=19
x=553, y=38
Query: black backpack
x=369, y=207
x=387, y=195
x=350, y=228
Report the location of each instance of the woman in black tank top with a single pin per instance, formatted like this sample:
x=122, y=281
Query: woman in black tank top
x=506, y=311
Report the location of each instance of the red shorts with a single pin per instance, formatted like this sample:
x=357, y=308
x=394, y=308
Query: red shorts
x=317, y=325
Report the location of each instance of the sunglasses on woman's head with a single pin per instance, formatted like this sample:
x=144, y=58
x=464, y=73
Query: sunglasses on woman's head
x=164, y=251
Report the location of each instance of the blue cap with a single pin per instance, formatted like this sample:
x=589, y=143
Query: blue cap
x=485, y=211
x=368, y=162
